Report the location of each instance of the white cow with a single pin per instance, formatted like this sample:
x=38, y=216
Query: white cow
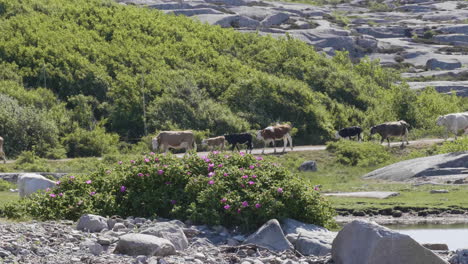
x=453, y=122
x=175, y=140
x=29, y=183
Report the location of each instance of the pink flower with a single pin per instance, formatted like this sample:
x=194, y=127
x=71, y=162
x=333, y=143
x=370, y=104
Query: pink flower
x=223, y=200
x=215, y=152
x=165, y=166
x=242, y=185
x=52, y=195
x=152, y=153
x=251, y=167
x=60, y=194
x=173, y=201
x=132, y=161
x=57, y=182
x=88, y=182
x=227, y=206
x=92, y=193
x=140, y=174
x=225, y=174
x=211, y=165
x=220, y=165
x=168, y=183
x=189, y=173
x=211, y=182
x=160, y=172
x=259, y=158
x=241, y=169
x=108, y=171
x=227, y=156
x=123, y=188
x=47, y=190
x=147, y=174
x=211, y=174
x=280, y=190
x=242, y=153
x=245, y=176
x=156, y=159
x=207, y=160
x=251, y=182
x=254, y=176
x=120, y=162
x=258, y=205
x=72, y=177
x=316, y=188
x=147, y=160
x=238, y=211
x=245, y=204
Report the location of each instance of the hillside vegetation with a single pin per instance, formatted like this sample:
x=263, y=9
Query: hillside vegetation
x=77, y=76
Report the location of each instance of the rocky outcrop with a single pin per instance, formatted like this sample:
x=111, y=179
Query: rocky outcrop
x=92, y=223
x=271, y=236
x=169, y=231
x=147, y=245
x=450, y=64
x=361, y=242
x=460, y=257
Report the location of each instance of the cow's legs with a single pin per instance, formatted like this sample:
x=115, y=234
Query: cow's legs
x=264, y=146
x=2, y=154
x=274, y=145
x=285, y=143
x=233, y=146
x=250, y=145
x=388, y=140
x=290, y=141
x=359, y=137
x=222, y=147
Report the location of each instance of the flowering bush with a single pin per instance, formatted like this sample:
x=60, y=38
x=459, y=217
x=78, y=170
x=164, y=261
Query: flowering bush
x=232, y=190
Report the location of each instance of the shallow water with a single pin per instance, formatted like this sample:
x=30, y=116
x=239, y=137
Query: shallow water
x=455, y=236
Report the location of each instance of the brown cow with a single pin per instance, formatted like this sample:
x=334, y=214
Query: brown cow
x=396, y=129
x=214, y=142
x=273, y=133
x=2, y=153
x=174, y=139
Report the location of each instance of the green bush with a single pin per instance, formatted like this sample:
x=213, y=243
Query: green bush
x=94, y=143
x=232, y=190
x=4, y=185
x=461, y=144
x=30, y=162
x=359, y=153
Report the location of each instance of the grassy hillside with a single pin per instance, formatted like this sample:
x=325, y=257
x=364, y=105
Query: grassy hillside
x=76, y=71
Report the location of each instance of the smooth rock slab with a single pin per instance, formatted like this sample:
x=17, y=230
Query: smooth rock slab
x=148, y=245
x=361, y=242
x=449, y=64
x=271, y=236
x=378, y=195
x=91, y=223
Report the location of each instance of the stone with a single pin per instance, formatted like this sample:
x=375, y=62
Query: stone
x=449, y=64
x=375, y=194
x=436, y=246
x=274, y=20
x=309, y=165
x=29, y=183
x=460, y=257
x=378, y=244
x=91, y=223
x=141, y=244
x=439, y=191
x=95, y=248
x=453, y=39
x=169, y=231
x=119, y=226
x=270, y=236
x=308, y=239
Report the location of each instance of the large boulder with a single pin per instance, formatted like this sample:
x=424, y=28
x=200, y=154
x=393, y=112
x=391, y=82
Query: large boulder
x=309, y=165
x=29, y=183
x=448, y=64
x=274, y=20
x=308, y=239
x=148, y=245
x=460, y=257
x=361, y=242
x=453, y=39
x=169, y=231
x=91, y=223
x=270, y=236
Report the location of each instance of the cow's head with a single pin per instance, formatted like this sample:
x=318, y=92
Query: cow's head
x=155, y=143
x=440, y=121
x=203, y=142
x=373, y=130
x=337, y=135
x=259, y=135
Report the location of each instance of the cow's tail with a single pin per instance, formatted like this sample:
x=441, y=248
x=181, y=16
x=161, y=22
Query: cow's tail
x=194, y=145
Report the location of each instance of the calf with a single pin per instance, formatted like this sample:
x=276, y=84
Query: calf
x=273, y=133
x=242, y=138
x=2, y=153
x=175, y=140
x=214, y=142
x=349, y=132
x=386, y=130
x=453, y=122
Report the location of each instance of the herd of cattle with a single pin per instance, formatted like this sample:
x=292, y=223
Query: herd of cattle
x=186, y=139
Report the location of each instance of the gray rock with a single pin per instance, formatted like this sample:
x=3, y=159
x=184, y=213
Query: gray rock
x=439, y=191
x=443, y=166
x=454, y=29
x=169, y=231
x=378, y=244
x=374, y=194
x=460, y=257
x=454, y=39
x=29, y=183
x=119, y=226
x=384, y=32
x=91, y=223
x=308, y=239
x=309, y=165
x=460, y=88
x=271, y=236
x=148, y=245
x=194, y=12
x=449, y=64
x=436, y=246
x=274, y=20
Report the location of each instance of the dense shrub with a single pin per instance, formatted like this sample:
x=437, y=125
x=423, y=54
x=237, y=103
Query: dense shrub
x=461, y=144
x=359, y=153
x=232, y=190
x=30, y=162
x=94, y=143
x=4, y=185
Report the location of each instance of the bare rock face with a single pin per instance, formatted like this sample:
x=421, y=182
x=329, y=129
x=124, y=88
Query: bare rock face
x=441, y=64
x=148, y=245
x=92, y=223
x=361, y=242
x=271, y=236
x=29, y=183
x=169, y=231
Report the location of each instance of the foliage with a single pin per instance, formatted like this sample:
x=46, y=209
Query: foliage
x=461, y=144
x=4, y=185
x=238, y=190
x=355, y=153
x=94, y=143
x=29, y=161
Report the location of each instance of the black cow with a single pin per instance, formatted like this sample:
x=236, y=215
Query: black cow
x=349, y=132
x=242, y=138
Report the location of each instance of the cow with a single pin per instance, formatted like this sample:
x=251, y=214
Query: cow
x=453, y=122
x=242, y=138
x=2, y=153
x=175, y=140
x=214, y=142
x=29, y=183
x=389, y=129
x=349, y=132
x=273, y=133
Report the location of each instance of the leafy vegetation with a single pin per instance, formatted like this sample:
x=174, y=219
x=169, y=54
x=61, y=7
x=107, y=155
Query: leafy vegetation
x=355, y=153
x=73, y=73
x=238, y=190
